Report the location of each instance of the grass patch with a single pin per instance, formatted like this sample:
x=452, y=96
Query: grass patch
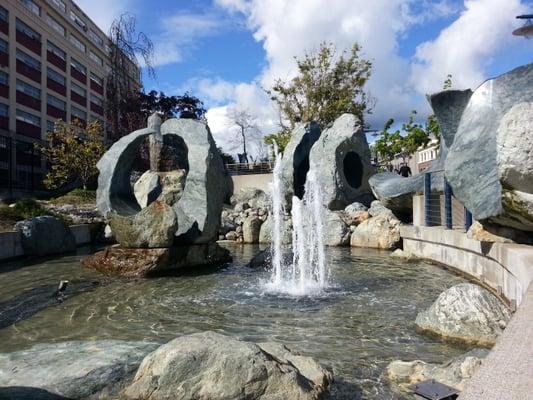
x=24, y=209
x=77, y=197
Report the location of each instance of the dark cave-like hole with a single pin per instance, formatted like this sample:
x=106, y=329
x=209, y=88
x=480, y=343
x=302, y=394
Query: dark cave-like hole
x=174, y=154
x=353, y=169
x=300, y=174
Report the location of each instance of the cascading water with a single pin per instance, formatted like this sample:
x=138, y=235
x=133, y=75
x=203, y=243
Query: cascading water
x=308, y=272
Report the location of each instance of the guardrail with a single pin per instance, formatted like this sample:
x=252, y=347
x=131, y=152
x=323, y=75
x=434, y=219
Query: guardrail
x=250, y=168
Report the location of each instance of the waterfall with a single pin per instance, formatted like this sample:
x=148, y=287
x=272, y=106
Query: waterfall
x=308, y=273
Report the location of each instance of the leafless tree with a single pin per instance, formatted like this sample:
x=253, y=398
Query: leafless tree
x=246, y=123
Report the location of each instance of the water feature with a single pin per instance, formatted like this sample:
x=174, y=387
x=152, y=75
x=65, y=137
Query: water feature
x=363, y=321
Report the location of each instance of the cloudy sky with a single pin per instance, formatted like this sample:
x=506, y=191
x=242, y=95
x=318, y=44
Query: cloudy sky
x=226, y=51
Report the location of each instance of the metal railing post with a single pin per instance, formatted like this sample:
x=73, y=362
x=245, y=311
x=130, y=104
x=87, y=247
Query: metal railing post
x=448, y=204
x=468, y=219
x=427, y=198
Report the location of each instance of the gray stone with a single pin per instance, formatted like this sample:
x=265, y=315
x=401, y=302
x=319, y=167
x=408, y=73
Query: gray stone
x=250, y=229
x=466, y=313
x=377, y=208
x=295, y=161
x=231, y=235
x=379, y=232
x=255, y=198
x=153, y=226
x=403, y=255
x=147, y=189
x=265, y=234
x=73, y=369
x=209, y=365
x=455, y=372
x=336, y=231
x=45, y=235
x=490, y=164
x=355, y=218
x=341, y=160
x=172, y=186
x=354, y=207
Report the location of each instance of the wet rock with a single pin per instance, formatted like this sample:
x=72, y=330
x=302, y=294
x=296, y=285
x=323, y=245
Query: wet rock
x=133, y=263
x=341, y=160
x=154, y=226
x=455, y=372
x=209, y=365
x=336, y=231
x=265, y=234
x=466, y=313
x=251, y=229
x=231, y=235
x=45, y=235
x=147, y=189
x=403, y=255
x=73, y=369
x=355, y=207
x=355, y=218
x=380, y=232
x=477, y=232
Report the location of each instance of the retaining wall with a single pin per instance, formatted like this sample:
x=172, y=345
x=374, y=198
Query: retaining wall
x=259, y=181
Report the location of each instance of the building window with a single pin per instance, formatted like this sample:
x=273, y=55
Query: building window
x=96, y=58
x=4, y=110
x=78, y=113
x=55, y=76
x=30, y=5
x=4, y=14
x=95, y=37
x=28, y=60
x=22, y=27
x=59, y=4
x=97, y=100
x=76, y=42
x=3, y=46
x=55, y=102
x=78, y=21
x=4, y=78
x=97, y=79
x=28, y=118
x=78, y=66
x=56, y=25
x=50, y=126
x=57, y=51
x=78, y=89
x=28, y=89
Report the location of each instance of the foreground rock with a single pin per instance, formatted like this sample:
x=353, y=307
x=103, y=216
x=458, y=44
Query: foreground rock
x=466, y=313
x=209, y=365
x=455, y=373
x=73, y=369
x=147, y=188
x=45, y=235
x=147, y=262
x=265, y=234
x=336, y=230
x=379, y=232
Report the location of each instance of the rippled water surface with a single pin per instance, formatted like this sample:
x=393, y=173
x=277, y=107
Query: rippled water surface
x=359, y=325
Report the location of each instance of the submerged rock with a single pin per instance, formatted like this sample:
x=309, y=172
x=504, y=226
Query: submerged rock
x=250, y=229
x=403, y=255
x=45, y=235
x=379, y=232
x=74, y=370
x=455, y=372
x=466, y=313
x=147, y=262
x=209, y=365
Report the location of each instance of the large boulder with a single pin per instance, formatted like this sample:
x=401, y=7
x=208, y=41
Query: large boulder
x=336, y=230
x=490, y=164
x=153, y=226
x=341, y=160
x=209, y=365
x=255, y=198
x=45, y=235
x=466, y=313
x=172, y=186
x=265, y=233
x=134, y=263
x=73, y=370
x=295, y=161
x=379, y=232
x=251, y=228
x=455, y=372
x=147, y=188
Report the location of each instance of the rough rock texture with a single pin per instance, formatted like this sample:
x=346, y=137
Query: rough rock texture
x=243, y=219
x=403, y=255
x=490, y=164
x=265, y=234
x=209, y=365
x=45, y=235
x=455, y=372
x=377, y=208
x=295, y=161
x=477, y=232
x=73, y=369
x=466, y=313
x=396, y=192
x=355, y=218
x=380, y=232
x=341, y=159
x=172, y=186
x=251, y=228
x=147, y=262
x=78, y=213
x=255, y=198
x=354, y=207
x=153, y=226
x=336, y=230
x=147, y=188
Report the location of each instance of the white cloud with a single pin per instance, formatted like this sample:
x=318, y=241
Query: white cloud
x=103, y=12
x=465, y=47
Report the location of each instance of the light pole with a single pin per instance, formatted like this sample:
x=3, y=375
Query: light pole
x=527, y=29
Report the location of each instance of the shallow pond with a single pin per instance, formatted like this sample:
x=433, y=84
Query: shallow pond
x=364, y=321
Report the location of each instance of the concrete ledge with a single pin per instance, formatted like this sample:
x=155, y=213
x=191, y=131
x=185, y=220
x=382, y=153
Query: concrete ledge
x=10, y=245
x=259, y=181
x=506, y=268
x=82, y=234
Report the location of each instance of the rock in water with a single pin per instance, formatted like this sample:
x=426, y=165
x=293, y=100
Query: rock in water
x=45, y=235
x=153, y=226
x=265, y=234
x=379, y=232
x=73, y=369
x=341, y=159
x=466, y=313
x=147, y=188
x=455, y=372
x=209, y=365
x=490, y=164
x=251, y=229
x=336, y=231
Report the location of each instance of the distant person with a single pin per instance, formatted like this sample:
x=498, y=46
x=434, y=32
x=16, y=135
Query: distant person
x=405, y=171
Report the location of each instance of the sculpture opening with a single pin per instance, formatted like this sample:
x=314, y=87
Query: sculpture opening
x=300, y=175
x=353, y=169
x=174, y=154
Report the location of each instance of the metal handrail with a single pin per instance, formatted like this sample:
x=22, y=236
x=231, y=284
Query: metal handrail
x=250, y=168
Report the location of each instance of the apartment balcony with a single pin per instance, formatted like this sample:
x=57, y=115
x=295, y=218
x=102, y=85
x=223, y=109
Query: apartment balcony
x=4, y=59
x=56, y=87
x=55, y=112
x=78, y=75
x=4, y=27
x=29, y=42
x=56, y=60
x=4, y=91
x=75, y=97
x=28, y=101
x=97, y=109
x=30, y=130
x=97, y=88
x=28, y=72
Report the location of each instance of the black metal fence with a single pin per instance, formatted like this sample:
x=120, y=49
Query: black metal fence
x=250, y=168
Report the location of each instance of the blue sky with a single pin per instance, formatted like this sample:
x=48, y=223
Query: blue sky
x=226, y=51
